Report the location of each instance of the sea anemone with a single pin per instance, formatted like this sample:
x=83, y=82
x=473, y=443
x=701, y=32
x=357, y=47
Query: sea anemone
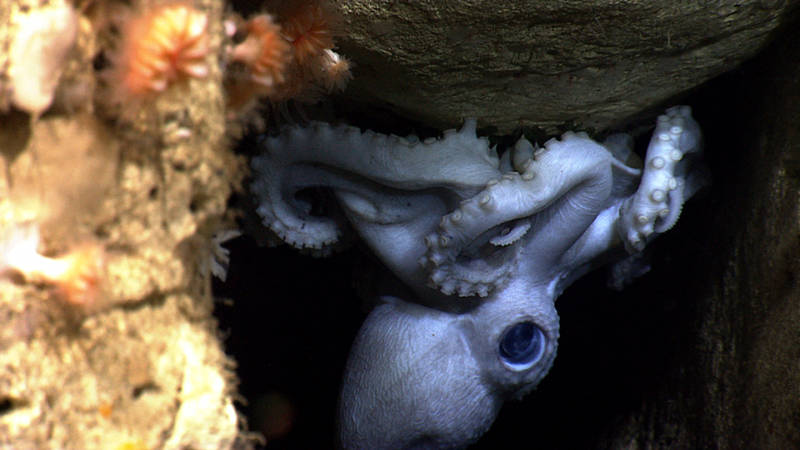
x=264, y=52
x=162, y=45
x=307, y=27
x=335, y=71
x=291, y=61
x=76, y=275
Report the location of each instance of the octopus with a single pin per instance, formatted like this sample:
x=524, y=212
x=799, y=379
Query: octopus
x=483, y=246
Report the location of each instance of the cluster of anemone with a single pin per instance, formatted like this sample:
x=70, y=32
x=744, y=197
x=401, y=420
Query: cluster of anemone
x=286, y=54
x=155, y=45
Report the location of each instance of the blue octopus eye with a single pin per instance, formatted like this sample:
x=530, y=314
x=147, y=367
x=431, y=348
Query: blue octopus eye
x=522, y=345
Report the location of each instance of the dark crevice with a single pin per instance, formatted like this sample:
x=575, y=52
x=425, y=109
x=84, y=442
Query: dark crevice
x=8, y=404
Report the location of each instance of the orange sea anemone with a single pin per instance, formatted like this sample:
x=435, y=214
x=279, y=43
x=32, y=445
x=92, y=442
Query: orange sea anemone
x=307, y=27
x=77, y=275
x=292, y=59
x=264, y=52
x=335, y=71
x=81, y=279
x=163, y=45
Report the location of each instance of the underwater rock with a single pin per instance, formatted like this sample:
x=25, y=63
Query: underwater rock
x=586, y=65
x=138, y=363
x=735, y=382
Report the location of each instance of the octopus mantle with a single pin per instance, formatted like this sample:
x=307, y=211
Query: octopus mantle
x=485, y=245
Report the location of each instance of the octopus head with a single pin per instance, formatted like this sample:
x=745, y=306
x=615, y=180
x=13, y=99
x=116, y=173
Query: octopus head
x=422, y=378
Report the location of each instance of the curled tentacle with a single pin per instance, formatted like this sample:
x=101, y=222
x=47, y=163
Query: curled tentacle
x=471, y=252
x=344, y=159
x=657, y=203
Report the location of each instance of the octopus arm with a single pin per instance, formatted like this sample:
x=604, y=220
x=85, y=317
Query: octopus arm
x=558, y=194
x=365, y=165
x=669, y=178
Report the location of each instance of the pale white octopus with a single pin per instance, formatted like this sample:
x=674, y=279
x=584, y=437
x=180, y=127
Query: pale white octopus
x=485, y=244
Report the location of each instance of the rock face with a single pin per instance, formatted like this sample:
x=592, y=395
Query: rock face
x=546, y=64
x=136, y=363
x=738, y=383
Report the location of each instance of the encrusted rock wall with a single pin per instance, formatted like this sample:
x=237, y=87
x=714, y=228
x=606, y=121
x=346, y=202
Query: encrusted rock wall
x=136, y=363
x=546, y=64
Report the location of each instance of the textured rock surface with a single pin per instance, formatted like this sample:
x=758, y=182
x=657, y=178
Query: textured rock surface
x=739, y=384
x=140, y=367
x=546, y=64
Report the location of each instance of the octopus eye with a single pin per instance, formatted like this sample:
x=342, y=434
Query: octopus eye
x=522, y=345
